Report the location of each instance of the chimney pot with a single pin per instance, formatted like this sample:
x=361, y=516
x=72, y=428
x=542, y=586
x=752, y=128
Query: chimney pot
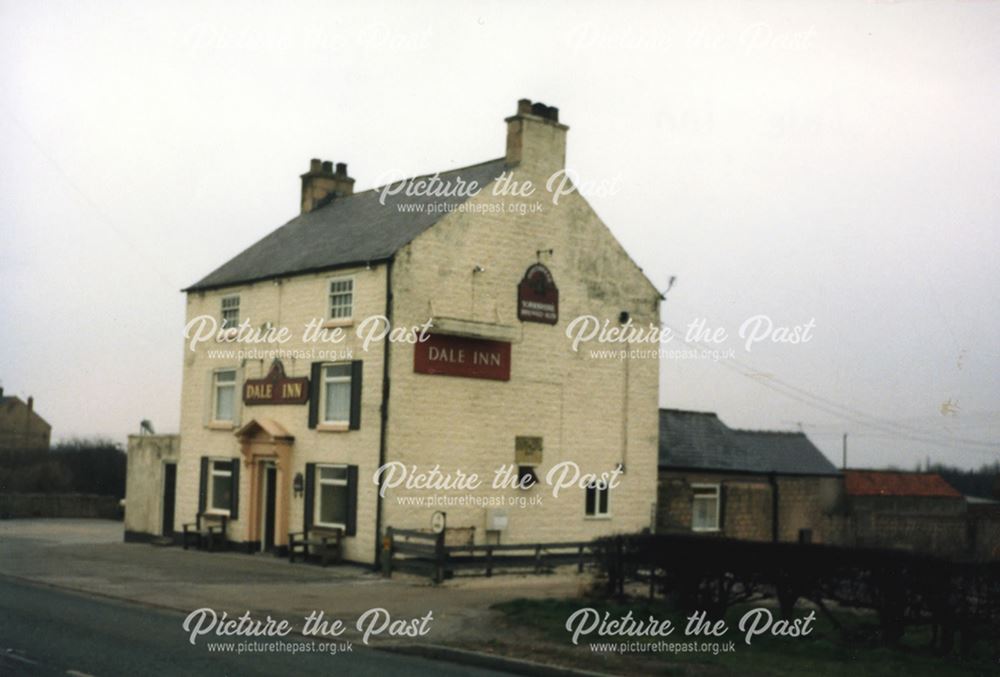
x=524, y=106
x=341, y=169
x=327, y=167
x=314, y=165
x=31, y=403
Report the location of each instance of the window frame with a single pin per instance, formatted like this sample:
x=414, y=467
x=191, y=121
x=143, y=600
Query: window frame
x=599, y=487
x=322, y=420
x=717, y=488
x=216, y=386
x=210, y=485
x=332, y=321
x=318, y=497
x=222, y=311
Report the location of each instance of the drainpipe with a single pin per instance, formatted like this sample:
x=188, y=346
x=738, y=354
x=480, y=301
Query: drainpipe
x=773, y=481
x=384, y=411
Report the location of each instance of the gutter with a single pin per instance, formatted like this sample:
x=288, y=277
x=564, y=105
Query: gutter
x=384, y=415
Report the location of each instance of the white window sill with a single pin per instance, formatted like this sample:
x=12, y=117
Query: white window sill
x=597, y=517
x=706, y=530
x=217, y=513
x=221, y=425
x=324, y=525
x=333, y=427
x=339, y=322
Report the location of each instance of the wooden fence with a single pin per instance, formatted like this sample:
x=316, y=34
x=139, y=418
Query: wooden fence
x=425, y=553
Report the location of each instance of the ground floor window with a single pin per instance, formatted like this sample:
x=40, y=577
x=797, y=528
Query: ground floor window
x=597, y=499
x=332, y=498
x=220, y=486
x=705, y=507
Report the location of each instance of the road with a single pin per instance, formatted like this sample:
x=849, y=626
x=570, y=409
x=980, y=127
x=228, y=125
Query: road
x=48, y=631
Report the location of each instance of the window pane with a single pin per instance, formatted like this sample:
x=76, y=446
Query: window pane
x=341, y=298
x=225, y=376
x=603, y=500
x=224, y=396
x=704, y=513
x=333, y=473
x=222, y=494
x=335, y=370
x=591, y=494
x=333, y=504
x=338, y=401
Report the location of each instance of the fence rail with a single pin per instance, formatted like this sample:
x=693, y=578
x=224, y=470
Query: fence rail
x=426, y=554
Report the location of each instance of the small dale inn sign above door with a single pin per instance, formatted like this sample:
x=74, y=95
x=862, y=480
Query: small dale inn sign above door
x=276, y=388
x=537, y=296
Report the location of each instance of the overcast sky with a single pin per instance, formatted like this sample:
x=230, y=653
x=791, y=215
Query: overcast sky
x=836, y=162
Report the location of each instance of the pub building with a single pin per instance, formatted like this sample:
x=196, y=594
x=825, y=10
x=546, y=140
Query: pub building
x=493, y=277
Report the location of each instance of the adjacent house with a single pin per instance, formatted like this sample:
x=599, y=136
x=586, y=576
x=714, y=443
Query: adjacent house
x=744, y=484
x=908, y=510
x=288, y=438
x=20, y=425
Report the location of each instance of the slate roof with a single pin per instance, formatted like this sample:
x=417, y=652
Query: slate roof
x=789, y=453
x=700, y=440
x=350, y=230
x=895, y=483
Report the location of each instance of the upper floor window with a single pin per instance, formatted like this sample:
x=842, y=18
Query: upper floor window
x=223, y=395
x=705, y=507
x=230, y=311
x=336, y=393
x=342, y=298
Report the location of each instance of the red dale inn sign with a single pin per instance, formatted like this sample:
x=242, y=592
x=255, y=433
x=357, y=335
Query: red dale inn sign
x=460, y=356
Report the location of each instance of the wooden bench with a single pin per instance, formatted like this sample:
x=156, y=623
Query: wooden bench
x=325, y=543
x=207, y=531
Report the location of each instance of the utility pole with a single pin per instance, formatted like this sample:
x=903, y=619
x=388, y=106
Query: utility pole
x=844, y=465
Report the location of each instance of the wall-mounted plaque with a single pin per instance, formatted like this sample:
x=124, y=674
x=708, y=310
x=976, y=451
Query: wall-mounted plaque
x=537, y=296
x=527, y=450
x=276, y=388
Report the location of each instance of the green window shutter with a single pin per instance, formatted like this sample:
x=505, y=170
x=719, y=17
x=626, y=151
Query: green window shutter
x=234, y=506
x=355, y=395
x=310, y=497
x=352, y=500
x=203, y=485
x=314, y=388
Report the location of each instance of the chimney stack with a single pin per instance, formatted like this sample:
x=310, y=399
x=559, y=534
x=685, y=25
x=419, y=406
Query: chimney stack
x=535, y=137
x=31, y=403
x=322, y=183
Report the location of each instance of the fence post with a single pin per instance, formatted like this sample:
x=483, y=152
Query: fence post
x=620, y=568
x=538, y=557
x=439, y=557
x=579, y=564
x=489, y=561
x=387, y=547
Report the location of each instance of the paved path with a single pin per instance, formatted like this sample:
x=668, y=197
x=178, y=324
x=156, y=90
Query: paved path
x=89, y=556
x=44, y=631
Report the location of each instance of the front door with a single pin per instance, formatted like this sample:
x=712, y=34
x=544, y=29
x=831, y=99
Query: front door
x=169, y=496
x=269, y=512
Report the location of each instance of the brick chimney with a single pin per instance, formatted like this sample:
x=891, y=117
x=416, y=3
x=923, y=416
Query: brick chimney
x=321, y=184
x=535, y=138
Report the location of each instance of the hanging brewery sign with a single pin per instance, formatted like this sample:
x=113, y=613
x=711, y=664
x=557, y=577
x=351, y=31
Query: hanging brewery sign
x=461, y=356
x=276, y=388
x=537, y=296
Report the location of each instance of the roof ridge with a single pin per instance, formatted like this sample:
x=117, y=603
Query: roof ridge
x=421, y=176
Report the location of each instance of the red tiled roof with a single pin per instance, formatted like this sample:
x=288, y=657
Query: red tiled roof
x=888, y=483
